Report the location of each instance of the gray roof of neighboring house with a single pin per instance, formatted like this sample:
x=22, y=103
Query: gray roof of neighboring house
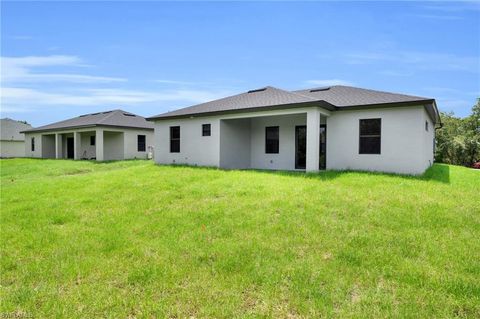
x=10, y=130
x=116, y=118
x=332, y=98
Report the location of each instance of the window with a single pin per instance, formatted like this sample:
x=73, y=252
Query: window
x=370, y=136
x=141, y=143
x=33, y=144
x=271, y=139
x=92, y=140
x=206, y=130
x=426, y=126
x=174, y=139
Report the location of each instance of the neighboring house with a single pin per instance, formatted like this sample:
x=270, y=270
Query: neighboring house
x=110, y=135
x=12, y=142
x=336, y=127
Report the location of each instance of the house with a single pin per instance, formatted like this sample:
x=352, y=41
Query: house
x=110, y=135
x=12, y=142
x=337, y=127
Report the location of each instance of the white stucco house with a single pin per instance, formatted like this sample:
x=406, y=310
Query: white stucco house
x=337, y=128
x=12, y=142
x=110, y=135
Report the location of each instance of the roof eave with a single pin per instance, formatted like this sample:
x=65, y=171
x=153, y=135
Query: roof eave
x=380, y=105
x=39, y=130
x=320, y=103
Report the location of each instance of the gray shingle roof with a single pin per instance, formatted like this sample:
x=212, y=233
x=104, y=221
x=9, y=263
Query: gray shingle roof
x=332, y=98
x=267, y=96
x=10, y=130
x=116, y=118
x=344, y=96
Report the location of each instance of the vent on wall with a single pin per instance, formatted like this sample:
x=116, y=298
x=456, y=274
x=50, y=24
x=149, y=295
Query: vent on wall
x=257, y=90
x=320, y=89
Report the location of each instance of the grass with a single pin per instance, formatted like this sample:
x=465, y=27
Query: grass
x=132, y=239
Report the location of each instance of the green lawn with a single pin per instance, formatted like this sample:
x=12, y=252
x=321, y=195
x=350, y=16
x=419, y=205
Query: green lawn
x=132, y=239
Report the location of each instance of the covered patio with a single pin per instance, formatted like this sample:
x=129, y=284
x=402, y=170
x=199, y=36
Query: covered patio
x=98, y=144
x=292, y=139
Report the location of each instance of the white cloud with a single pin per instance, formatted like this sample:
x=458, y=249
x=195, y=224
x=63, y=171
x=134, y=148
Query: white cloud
x=14, y=98
x=20, y=70
x=419, y=60
x=42, y=60
x=24, y=90
x=328, y=82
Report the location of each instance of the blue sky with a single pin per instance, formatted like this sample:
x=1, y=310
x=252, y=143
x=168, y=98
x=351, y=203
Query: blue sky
x=63, y=59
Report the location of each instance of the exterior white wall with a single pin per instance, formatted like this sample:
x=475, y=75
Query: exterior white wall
x=428, y=140
x=12, y=148
x=405, y=145
x=99, y=141
x=195, y=149
x=120, y=143
x=285, y=159
x=402, y=141
x=87, y=151
x=113, y=145
x=235, y=143
x=130, y=143
x=77, y=139
x=48, y=146
x=58, y=145
x=313, y=140
x=38, y=145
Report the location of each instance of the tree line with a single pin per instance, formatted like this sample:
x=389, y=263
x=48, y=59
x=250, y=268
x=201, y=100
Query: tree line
x=458, y=141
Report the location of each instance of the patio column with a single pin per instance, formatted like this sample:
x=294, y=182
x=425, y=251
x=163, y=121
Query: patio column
x=77, y=139
x=99, y=145
x=58, y=146
x=313, y=140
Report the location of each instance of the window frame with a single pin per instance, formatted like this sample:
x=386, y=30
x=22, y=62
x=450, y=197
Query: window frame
x=174, y=139
x=426, y=126
x=32, y=144
x=93, y=139
x=207, y=129
x=139, y=143
x=276, y=146
x=360, y=136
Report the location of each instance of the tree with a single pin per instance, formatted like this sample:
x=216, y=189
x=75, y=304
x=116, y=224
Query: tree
x=458, y=141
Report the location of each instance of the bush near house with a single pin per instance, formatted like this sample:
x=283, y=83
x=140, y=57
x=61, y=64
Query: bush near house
x=82, y=239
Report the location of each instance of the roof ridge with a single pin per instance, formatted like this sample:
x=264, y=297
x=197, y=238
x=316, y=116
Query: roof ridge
x=228, y=97
x=305, y=96
x=291, y=92
x=370, y=90
x=381, y=91
x=110, y=114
